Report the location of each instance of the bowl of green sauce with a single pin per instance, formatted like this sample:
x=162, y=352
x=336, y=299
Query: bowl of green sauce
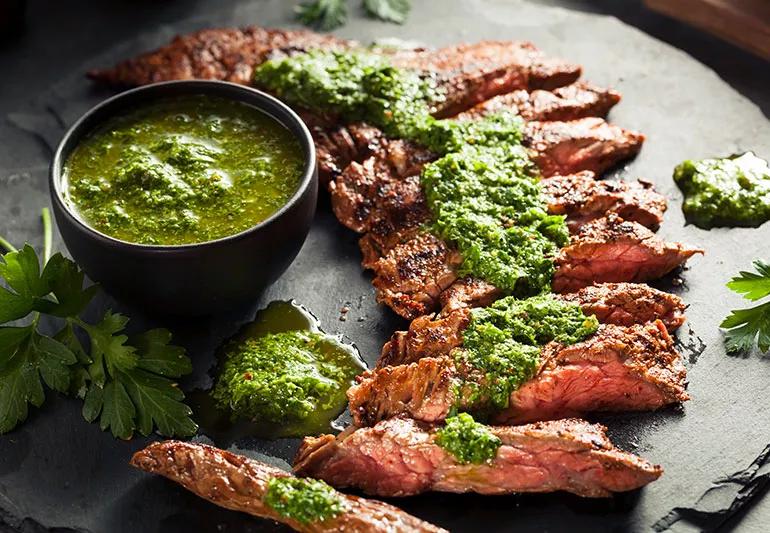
x=185, y=197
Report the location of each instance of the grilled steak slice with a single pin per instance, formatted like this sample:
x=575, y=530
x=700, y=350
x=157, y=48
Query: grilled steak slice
x=239, y=483
x=399, y=457
x=336, y=146
x=578, y=100
x=582, y=199
x=587, y=144
x=414, y=273
x=228, y=54
x=623, y=304
x=468, y=292
x=427, y=336
x=633, y=368
x=611, y=249
x=471, y=73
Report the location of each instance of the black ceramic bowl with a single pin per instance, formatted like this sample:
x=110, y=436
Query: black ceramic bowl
x=190, y=279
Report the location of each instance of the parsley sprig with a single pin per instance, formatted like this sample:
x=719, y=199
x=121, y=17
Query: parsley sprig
x=746, y=327
x=327, y=15
x=126, y=383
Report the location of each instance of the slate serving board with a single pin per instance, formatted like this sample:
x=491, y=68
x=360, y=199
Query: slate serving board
x=57, y=472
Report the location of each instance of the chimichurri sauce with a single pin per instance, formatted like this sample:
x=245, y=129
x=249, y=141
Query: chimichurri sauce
x=183, y=170
x=483, y=192
x=731, y=191
x=281, y=376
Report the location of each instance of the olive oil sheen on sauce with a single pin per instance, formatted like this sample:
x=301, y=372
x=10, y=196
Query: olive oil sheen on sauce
x=184, y=170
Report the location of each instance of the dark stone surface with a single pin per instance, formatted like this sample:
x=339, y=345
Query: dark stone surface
x=57, y=471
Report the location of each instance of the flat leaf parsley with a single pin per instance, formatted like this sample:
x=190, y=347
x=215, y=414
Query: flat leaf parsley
x=126, y=383
x=746, y=327
x=327, y=15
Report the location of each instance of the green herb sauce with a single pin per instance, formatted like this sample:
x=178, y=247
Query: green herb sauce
x=282, y=376
x=183, y=170
x=303, y=500
x=482, y=192
x=503, y=343
x=731, y=191
x=467, y=440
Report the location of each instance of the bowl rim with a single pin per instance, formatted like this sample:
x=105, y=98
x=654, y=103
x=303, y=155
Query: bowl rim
x=252, y=96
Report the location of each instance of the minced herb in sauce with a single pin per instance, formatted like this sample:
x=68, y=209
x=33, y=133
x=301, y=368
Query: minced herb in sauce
x=285, y=374
x=503, y=342
x=183, y=170
x=303, y=500
x=483, y=192
x=731, y=191
x=467, y=440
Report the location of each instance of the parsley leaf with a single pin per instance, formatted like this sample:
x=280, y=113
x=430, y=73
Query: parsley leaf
x=325, y=15
x=752, y=286
x=388, y=10
x=27, y=359
x=127, y=384
x=746, y=327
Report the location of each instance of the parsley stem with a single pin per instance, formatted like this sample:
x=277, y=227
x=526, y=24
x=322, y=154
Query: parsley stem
x=7, y=245
x=45, y=214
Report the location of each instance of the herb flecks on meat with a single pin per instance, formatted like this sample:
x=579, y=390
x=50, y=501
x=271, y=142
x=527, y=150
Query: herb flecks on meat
x=505, y=235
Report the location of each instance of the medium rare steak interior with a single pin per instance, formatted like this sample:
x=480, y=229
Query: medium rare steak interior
x=623, y=304
x=633, y=368
x=400, y=457
x=239, y=483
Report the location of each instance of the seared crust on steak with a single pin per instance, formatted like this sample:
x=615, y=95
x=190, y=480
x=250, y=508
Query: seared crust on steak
x=239, y=483
x=399, y=457
x=611, y=249
x=623, y=304
x=578, y=100
x=470, y=73
x=582, y=198
x=633, y=368
x=560, y=148
x=228, y=54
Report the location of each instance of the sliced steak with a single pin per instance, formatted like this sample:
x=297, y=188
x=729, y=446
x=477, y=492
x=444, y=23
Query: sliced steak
x=410, y=278
x=582, y=198
x=578, y=100
x=611, y=249
x=400, y=457
x=468, y=292
x=228, y=54
x=633, y=368
x=561, y=148
x=623, y=304
x=471, y=73
x=238, y=483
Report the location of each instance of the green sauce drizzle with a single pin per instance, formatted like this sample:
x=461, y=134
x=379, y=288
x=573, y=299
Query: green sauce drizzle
x=483, y=192
x=303, y=500
x=183, y=170
x=503, y=343
x=467, y=440
x=732, y=191
x=284, y=377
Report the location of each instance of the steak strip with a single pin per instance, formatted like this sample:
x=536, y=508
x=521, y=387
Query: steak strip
x=572, y=102
x=611, y=249
x=400, y=457
x=622, y=304
x=240, y=484
x=634, y=368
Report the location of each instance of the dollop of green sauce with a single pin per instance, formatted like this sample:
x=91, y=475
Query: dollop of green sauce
x=183, y=170
x=301, y=499
x=482, y=192
x=503, y=343
x=467, y=440
x=730, y=191
x=284, y=377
